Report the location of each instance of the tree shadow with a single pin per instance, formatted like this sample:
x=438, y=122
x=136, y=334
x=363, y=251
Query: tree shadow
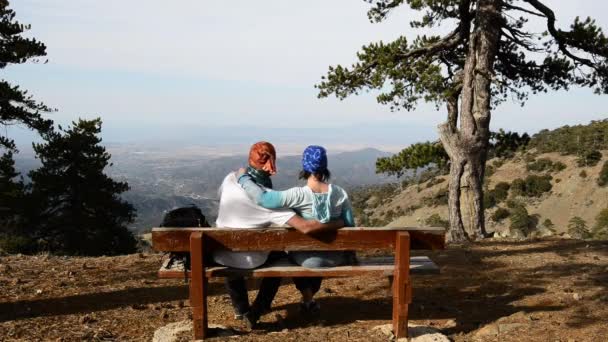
x=137, y=298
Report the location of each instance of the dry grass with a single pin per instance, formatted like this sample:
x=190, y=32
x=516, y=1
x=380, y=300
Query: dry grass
x=119, y=298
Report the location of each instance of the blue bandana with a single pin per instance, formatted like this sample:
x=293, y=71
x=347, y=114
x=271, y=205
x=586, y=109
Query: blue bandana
x=314, y=159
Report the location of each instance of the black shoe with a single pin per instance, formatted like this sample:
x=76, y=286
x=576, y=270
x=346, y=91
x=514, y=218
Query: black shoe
x=251, y=319
x=311, y=308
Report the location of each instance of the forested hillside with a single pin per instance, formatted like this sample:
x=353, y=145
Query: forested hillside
x=554, y=184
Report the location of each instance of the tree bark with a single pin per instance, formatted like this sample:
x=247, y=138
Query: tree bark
x=467, y=144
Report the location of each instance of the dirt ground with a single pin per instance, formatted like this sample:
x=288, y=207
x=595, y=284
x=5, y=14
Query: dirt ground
x=544, y=290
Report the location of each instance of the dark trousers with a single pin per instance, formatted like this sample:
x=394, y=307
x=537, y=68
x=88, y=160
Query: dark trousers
x=304, y=283
x=237, y=289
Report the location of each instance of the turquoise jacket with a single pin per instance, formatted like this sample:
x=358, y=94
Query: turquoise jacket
x=323, y=207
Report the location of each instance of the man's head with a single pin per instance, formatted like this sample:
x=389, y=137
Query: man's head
x=262, y=156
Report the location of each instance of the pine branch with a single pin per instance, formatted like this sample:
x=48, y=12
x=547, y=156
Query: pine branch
x=517, y=8
x=558, y=34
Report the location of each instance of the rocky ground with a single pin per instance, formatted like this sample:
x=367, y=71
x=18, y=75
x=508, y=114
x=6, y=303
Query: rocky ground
x=542, y=290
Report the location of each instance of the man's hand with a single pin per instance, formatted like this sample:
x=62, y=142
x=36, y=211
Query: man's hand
x=309, y=227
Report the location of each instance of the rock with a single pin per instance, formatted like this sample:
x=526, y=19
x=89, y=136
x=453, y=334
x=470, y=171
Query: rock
x=577, y=296
x=544, y=232
x=222, y=331
x=416, y=333
x=450, y=324
x=173, y=332
x=164, y=314
x=139, y=306
x=87, y=319
x=516, y=234
x=487, y=331
x=422, y=333
x=386, y=329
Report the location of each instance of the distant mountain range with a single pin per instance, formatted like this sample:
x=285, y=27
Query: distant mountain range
x=161, y=182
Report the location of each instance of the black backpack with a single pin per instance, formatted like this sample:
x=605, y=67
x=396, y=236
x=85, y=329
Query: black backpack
x=183, y=217
x=191, y=216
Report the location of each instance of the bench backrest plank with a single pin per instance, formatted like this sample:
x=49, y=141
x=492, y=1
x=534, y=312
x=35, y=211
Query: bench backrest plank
x=268, y=239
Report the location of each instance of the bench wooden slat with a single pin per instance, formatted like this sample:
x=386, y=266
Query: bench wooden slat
x=268, y=239
x=379, y=266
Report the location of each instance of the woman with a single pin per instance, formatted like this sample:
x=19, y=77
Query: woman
x=317, y=200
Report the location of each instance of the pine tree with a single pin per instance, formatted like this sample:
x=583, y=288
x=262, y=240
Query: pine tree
x=16, y=106
x=81, y=209
x=577, y=228
x=600, y=230
x=491, y=54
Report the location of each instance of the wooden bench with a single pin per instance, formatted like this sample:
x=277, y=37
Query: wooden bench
x=200, y=241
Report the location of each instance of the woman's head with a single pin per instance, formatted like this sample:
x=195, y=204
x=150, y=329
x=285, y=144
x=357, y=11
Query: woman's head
x=314, y=163
x=262, y=156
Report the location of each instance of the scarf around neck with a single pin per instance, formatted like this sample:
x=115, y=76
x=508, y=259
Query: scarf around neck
x=261, y=177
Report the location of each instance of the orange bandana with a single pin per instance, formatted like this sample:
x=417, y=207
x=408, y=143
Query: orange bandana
x=262, y=156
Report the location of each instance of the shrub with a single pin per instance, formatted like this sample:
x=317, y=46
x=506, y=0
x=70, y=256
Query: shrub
x=12, y=244
x=500, y=214
x=502, y=186
x=489, y=171
x=570, y=140
x=547, y=223
x=589, y=158
x=436, y=221
x=489, y=201
x=600, y=230
x=532, y=186
x=529, y=158
x=520, y=218
x=540, y=165
x=559, y=166
x=577, y=228
x=501, y=190
x=498, y=163
x=544, y=164
x=602, y=180
x=492, y=197
x=583, y=174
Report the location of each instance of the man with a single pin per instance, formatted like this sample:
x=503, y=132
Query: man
x=237, y=210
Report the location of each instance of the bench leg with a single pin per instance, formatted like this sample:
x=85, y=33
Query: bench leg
x=198, y=286
x=402, y=294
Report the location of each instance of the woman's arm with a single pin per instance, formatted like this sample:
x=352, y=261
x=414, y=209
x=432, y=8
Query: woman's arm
x=269, y=199
x=313, y=226
x=347, y=214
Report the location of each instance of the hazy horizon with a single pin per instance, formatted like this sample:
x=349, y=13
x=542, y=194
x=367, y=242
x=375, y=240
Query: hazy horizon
x=213, y=74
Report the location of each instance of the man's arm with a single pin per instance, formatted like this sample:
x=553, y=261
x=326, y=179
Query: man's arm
x=313, y=226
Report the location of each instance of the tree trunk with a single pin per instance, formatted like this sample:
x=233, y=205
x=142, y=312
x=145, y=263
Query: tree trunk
x=467, y=144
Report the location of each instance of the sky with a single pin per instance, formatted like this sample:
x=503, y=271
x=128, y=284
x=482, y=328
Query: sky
x=200, y=71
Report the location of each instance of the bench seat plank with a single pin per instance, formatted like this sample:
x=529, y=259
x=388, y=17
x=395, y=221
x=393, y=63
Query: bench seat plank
x=379, y=266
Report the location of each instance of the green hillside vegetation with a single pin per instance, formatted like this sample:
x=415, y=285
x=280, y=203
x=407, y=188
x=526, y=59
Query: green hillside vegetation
x=584, y=141
x=520, y=179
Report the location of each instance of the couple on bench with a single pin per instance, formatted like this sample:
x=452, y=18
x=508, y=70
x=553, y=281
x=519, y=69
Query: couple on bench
x=248, y=201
